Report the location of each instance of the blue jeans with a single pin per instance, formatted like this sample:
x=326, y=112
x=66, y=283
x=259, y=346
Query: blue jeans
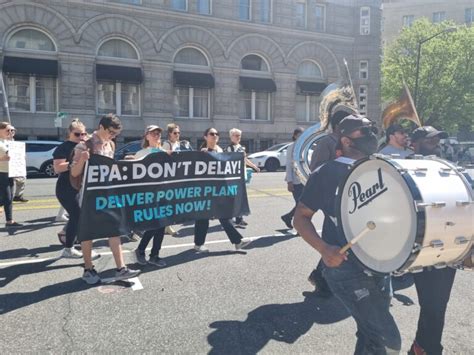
x=367, y=298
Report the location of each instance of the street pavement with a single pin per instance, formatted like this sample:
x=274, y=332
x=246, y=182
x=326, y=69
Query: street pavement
x=226, y=302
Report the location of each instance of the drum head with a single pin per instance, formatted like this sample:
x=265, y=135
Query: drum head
x=375, y=191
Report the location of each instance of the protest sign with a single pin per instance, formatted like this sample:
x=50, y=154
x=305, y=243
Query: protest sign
x=160, y=190
x=17, y=162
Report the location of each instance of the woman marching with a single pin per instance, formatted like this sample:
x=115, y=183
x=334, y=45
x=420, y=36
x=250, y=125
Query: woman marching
x=65, y=193
x=211, y=137
x=151, y=144
x=235, y=146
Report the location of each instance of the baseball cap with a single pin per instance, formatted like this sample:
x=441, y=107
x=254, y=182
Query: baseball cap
x=352, y=123
x=427, y=132
x=152, y=128
x=394, y=128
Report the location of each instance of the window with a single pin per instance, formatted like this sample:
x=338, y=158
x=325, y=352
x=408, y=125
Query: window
x=204, y=7
x=191, y=100
x=363, y=69
x=266, y=11
x=120, y=98
x=439, y=17
x=365, y=21
x=408, y=20
x=300, y=14
x=255, y=105
x=320, y=18
x=190, y=56
x=254, y=62
x=31, y=39
x=244, y=10
x=363, y=99
x=32, y=93
x=310, y=70
x=469, y=16
x=181, y=5
x=307, y=104
x=117, y=48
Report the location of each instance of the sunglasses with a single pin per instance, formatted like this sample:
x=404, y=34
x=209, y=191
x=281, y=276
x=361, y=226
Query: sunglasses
x=213, y=134
x=112, y=132
x=77, y=134
x=176, y=133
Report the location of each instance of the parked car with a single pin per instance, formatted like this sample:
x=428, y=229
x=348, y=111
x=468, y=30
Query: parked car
x=128, y=149
x=39, y=157
x=271, y=159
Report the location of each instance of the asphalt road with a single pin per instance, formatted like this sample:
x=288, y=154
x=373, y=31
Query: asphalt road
x=225, y=302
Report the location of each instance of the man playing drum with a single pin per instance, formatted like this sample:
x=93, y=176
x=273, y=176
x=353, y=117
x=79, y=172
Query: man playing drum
x=433, y=286
x=365, y=295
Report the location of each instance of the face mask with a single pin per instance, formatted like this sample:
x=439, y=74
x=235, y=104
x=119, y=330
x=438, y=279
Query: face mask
x=365, y=144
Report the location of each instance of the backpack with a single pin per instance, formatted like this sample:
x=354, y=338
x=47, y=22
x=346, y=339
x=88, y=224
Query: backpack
x=76, y=181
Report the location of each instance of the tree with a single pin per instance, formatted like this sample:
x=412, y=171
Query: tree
x=446, y=75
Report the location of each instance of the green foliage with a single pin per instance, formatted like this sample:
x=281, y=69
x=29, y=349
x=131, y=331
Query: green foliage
x=446, y=77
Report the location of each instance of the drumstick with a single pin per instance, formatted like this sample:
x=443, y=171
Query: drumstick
x=370, y=226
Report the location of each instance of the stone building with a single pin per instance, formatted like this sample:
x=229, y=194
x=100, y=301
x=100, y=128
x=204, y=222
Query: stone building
x=259, y=65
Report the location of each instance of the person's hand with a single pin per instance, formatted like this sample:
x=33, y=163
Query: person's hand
x=257, y=169
x=290, y=187
x=5, y=158
x=331, y=256
x=204, y=150
x=85, y=156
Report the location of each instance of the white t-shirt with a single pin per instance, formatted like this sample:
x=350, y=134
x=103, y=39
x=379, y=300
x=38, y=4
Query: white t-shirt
x=390, y=149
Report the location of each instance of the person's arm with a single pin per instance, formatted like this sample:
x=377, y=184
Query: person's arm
x=303, y=224
x=60, y=165
x=320, y=155
x=81, y=155
x=251, y=165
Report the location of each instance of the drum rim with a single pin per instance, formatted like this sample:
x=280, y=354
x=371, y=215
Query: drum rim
x=420, y=214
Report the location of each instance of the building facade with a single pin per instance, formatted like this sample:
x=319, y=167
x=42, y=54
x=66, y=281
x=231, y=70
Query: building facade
x=259, y=65
x=398, y=14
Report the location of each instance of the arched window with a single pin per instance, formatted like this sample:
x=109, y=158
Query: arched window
x=31, y=39
x=309, y=69
x=255, y=88
x=118, y=84
x=254, y=62
x=191, y=56
x=117, y=48
x=31, y=83
x=192, y=84
x=309, y=84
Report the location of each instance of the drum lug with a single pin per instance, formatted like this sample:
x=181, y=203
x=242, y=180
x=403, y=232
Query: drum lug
x=418, y=156
x=436, y=243
x=416, y=248
x=416, y=269
x=461, y=240
x=445, y=171
x=440, y=265
x=421, y=171
x=464, y=203
x=421, y=205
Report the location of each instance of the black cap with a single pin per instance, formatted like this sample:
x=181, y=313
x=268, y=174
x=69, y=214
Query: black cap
x=392, y=129
x=352, y=123
x=427, y=132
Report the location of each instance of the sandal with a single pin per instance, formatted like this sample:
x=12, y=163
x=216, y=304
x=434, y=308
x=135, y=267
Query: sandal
x=62, y=238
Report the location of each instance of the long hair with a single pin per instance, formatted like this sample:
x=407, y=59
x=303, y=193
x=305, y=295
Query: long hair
x=146, y=144
x=206, y=132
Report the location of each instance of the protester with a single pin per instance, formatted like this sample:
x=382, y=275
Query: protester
x=293, y=182
x=211, y=138
x=151, y=144
x=397, y=142
x=20, y=181
x=6, y=182
x=101, y=143
x=66, y=194
x=235, y=146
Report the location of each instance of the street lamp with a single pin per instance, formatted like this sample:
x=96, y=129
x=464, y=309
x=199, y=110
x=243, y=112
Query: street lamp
x=446, y=30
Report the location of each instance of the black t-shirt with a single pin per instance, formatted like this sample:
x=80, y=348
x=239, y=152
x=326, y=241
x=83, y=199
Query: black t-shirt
x=64, y=151
x=320, y=194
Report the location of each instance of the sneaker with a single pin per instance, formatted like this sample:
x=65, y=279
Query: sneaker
x=126, y=273
x=243, y=223
x=71, y=253
x=201, y=249
x=20, y=199
x=62, y=218
x=140, y=257
x=287, y=220
x=242, y=244
x=155, y=260
x=91, y=277
x=133, y=237
x=169, y=230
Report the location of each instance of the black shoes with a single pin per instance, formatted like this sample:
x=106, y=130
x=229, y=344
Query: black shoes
x=287, y=220
x=20, y=199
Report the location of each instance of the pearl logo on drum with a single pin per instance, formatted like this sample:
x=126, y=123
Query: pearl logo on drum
x=362, y=198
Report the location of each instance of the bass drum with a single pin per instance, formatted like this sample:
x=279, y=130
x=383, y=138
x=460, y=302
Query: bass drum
x=422, y=209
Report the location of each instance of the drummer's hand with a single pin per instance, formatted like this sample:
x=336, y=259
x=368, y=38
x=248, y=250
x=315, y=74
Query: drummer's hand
x=332, y=257
x=290, y=187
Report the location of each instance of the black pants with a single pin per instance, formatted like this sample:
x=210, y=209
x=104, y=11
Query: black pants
x=157, y=235
x=434, y=289
x=297, y=191
x=202, y=225
x=6, y=195
x=67, y=197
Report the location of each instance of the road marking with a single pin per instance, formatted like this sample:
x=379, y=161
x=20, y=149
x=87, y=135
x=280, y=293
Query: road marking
x=126, y=251
x=137, y=285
